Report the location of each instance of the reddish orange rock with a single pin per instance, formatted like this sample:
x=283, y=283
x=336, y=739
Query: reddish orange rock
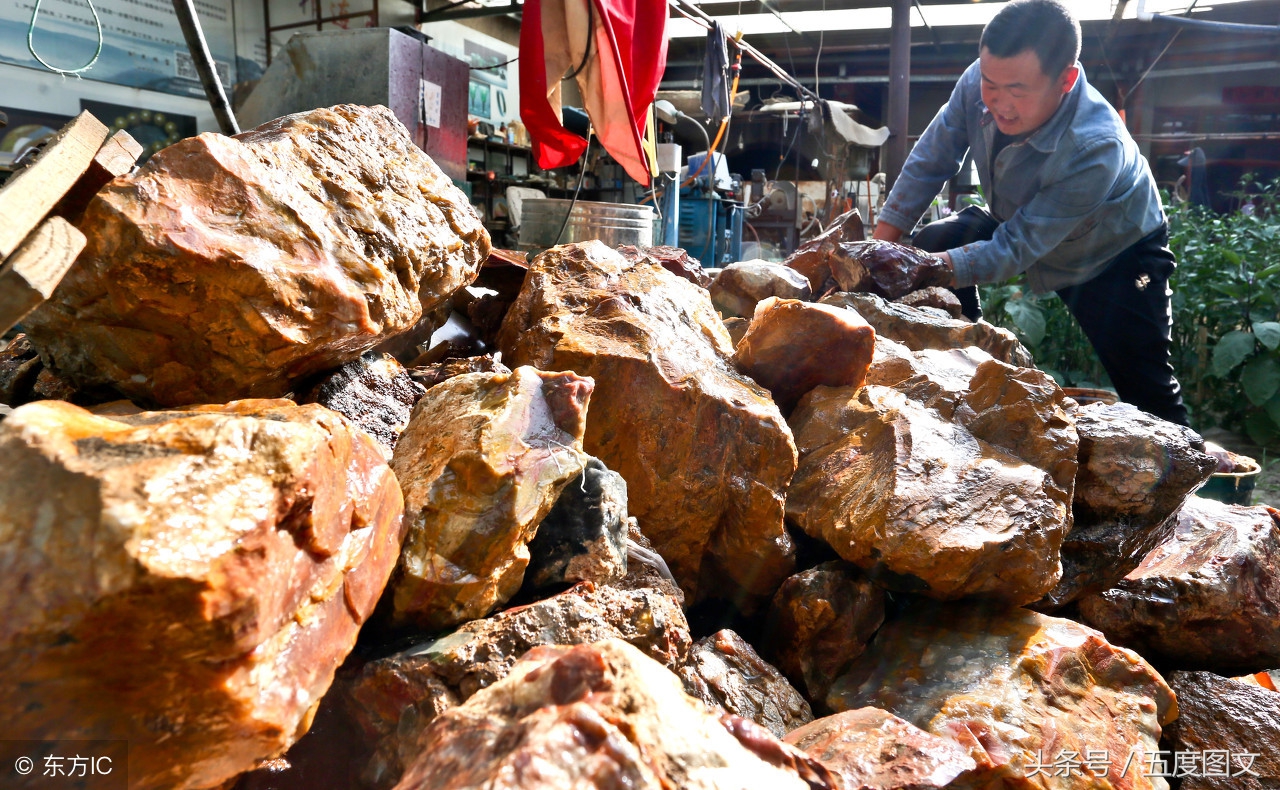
x=793, y=346
x=393, y=699
x=186, y=580
x=705, y=452
x=230, y=267
x=871, y=749
x=1023, y=692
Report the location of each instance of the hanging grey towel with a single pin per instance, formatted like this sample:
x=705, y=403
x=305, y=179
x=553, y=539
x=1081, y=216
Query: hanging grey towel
x=715, y=75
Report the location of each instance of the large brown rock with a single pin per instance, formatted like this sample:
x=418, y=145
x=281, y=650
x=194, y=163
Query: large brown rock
x=885, y=268
x=819, y=622
x=727, y=674
x=1135, y=472
x=706, y=455
x=375, y=392
x=920, y=329
x=394, y=699
x=871, y=749
x=1020, y=690
x=793, y=346
x=481, y=463
x=928, y=376
x=813, y=258
x=187, y=581
x=971, y=498
x=739, y=287
x=230, y=267
x=600, y=716
x=1205, y=599
x=1226, y=732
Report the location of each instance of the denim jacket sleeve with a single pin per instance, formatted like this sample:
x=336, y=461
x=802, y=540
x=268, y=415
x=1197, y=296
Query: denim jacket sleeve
x=936, y=157
x=1060, y=206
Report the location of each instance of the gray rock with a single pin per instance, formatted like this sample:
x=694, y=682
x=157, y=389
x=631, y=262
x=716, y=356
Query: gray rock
x=584, y=536
x=920, y=329
x=740, y=286
x=727, y=674
x=375, y=392
x=1225, y=726
x=1205, y=599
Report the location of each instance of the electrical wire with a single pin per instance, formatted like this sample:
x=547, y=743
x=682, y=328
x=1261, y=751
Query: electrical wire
x=496, y=65
x=591, y=29
x=31, y=46
x=582, y=176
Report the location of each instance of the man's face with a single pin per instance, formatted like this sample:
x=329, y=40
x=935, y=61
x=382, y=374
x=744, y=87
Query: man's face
x=1019, y=95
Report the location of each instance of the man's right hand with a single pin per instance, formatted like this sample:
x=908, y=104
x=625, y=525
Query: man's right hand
x=886, y=232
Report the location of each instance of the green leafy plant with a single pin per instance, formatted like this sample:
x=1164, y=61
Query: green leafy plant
x=1226, y=316
x=1226, y=307
x=1045, y=326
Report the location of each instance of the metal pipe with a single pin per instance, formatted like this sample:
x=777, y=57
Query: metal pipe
x=688, y=10
x=213, y=91
x=899, y=89
x=1210, y=26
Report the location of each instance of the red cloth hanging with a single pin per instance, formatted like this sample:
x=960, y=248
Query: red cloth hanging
x=627, y=53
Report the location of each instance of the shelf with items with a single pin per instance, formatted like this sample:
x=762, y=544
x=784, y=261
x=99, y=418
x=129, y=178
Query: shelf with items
x=494, y=165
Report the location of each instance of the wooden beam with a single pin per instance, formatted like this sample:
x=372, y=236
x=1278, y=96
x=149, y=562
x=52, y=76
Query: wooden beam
x=116, y=157
x=29, y=276
x=33, y=191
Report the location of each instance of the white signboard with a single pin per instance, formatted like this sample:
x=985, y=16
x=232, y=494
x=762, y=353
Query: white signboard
x=142, y=45
x=430, y=104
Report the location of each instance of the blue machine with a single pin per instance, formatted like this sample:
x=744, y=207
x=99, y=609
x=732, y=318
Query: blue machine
x=713, y=247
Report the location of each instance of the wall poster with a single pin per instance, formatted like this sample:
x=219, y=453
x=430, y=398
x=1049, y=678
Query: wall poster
x=494, y=93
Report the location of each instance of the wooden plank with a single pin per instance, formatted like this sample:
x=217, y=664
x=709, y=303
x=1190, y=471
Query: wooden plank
x=29, y=276
x=116, y=157
x=33, y=191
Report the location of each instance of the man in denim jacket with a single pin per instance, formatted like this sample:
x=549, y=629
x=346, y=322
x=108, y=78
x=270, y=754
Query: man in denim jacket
x=1070, y=199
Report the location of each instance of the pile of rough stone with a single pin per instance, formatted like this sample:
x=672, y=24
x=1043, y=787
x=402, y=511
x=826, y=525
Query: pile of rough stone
x=846, y=543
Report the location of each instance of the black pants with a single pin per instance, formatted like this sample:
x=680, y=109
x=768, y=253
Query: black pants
x=1124, y=311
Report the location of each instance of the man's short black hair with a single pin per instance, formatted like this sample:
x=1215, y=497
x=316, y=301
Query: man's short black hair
x=1045, y=27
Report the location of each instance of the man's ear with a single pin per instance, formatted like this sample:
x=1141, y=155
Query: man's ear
x=1068, y=79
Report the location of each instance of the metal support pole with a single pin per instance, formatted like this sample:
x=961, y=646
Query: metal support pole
x=899, y=90
x=190, y=23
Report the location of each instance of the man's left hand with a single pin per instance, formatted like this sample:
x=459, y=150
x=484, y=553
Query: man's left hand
x=946, y=259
